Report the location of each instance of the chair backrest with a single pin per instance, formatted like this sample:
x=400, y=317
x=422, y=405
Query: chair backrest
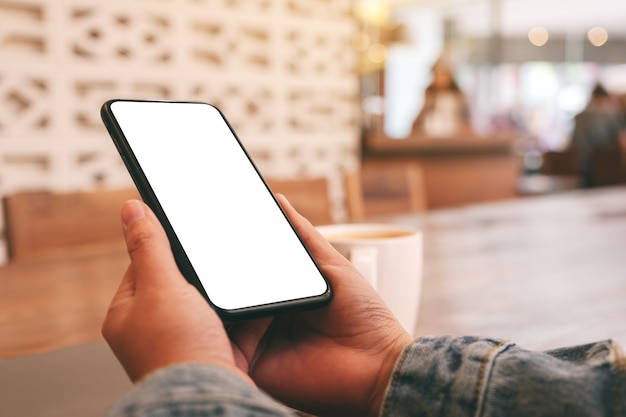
x=560, y=163
x=46, y=224
x=379, y=189
x=607, y=166
x=309, y=196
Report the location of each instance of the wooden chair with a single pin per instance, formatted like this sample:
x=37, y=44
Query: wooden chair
x=385, y=188
x=607, y=166
x=310, y=196
x=560, y=163
x=46, y=224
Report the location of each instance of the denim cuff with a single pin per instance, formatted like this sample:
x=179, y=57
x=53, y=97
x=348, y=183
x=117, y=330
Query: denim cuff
x=441, y=376
x=196, y=390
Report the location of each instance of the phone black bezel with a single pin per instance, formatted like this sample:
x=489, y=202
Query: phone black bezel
x=149, y=197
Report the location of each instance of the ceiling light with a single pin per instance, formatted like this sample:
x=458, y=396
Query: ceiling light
x=538, y=36
x=375, y=12
x=598, y=36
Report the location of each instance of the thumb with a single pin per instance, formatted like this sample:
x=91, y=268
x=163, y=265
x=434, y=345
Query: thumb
x=320, y=247
x=149, y=249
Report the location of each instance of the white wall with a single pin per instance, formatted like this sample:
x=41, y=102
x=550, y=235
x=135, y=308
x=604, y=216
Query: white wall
x=408, y=68
x=283, y=72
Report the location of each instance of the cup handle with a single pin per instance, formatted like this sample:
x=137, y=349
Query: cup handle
x=366, y=261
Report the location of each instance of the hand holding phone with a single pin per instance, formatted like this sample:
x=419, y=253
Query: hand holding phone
x=229, y=236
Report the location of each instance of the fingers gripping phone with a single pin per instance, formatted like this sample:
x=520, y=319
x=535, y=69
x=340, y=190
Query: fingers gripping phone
x=229, y=235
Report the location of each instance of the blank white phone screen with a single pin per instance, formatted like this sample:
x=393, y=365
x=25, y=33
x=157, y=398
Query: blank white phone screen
x=242, y=248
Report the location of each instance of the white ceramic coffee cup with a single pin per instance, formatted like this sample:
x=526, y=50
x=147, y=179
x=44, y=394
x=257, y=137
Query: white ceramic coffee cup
x=389, y=257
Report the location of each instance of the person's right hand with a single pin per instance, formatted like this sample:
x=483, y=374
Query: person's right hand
x=336, y=360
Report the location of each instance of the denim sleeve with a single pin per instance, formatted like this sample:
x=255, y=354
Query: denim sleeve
x=472, y=376
x=196, y=390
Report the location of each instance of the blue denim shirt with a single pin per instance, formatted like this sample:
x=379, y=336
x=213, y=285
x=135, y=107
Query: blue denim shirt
x=434, y=376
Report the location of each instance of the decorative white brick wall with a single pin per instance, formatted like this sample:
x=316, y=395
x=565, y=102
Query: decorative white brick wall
x=282, y=71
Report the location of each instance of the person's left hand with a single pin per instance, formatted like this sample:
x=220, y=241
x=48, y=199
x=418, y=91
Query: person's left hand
x=156, y=317
x=332, y=361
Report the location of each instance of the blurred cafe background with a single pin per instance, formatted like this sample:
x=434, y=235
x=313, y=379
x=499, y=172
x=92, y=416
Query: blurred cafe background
x=511, y=77
x=317, y=88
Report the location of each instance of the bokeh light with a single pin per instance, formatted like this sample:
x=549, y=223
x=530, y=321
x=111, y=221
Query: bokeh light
x=377, y=53
x=538, y=36
x=598, y=36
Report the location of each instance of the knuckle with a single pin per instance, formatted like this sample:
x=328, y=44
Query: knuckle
x=106, y=329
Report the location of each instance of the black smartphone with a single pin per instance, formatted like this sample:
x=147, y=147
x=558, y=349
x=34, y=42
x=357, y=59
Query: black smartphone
x=229, y=235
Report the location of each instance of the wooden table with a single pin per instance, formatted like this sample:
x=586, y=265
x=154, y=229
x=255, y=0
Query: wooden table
x=54, y=360
x=542, y=271
x=56, y=303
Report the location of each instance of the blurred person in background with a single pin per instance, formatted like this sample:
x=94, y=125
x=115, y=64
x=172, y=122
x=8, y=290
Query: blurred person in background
x=596, y=139
x=445, y=112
